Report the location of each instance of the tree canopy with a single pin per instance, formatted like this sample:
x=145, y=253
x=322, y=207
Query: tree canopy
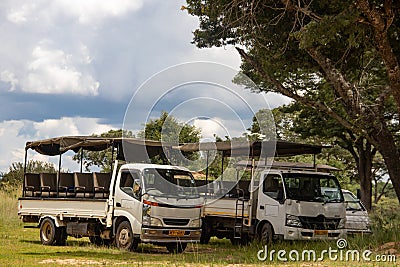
x=339, y=58
x=166, y=128
x=15, y=174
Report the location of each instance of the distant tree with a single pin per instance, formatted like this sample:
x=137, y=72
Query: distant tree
x=166, y=128
x=15, y=175
x=102, y=158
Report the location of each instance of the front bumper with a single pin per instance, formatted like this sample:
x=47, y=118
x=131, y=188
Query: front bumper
x=293, y=233
x=158, y=235
x=359, y=231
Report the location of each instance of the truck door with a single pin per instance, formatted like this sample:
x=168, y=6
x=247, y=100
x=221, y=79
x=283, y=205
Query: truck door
x=270, y=201
x=128, y=198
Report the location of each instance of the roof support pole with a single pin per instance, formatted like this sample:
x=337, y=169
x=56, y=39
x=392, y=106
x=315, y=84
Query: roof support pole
x=81, y=159
x=112, y=157
x=25, y=163
x=59, y=173
x=222, y=165
x=314, y=162
x=207, y=155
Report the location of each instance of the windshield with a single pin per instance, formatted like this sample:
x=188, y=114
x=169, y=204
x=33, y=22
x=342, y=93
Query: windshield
x=352, y=202
x=169, y=183
x=312, y=187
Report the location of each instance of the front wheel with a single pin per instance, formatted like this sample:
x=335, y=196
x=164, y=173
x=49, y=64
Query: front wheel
x=266, y=234
x=176, y=247
x=124, y=238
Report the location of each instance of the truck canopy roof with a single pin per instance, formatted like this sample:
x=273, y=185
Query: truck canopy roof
x=142, y=166
x=59, y=145
x=303, y=166
x=141, y=148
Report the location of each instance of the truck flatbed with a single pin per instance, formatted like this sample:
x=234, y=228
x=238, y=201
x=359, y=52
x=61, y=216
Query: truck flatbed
x=225, y=207
x=63, y=207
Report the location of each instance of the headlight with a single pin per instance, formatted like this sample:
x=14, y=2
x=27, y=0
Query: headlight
x=342, y=223
x=151, y=221
x=293, y=221
x=195, y=223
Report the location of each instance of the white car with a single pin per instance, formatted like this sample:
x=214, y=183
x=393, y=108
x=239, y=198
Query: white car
x=357, y=220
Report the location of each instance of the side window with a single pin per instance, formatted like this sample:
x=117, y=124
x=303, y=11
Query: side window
x=273, y=187
x=128, y=181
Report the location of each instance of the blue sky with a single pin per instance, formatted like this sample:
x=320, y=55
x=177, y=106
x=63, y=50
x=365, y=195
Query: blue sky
x=71, y=67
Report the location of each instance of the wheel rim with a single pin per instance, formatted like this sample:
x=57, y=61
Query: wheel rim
x=47, y=232
x=125, y=237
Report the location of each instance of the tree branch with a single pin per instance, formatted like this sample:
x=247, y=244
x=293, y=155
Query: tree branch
x=283, y=90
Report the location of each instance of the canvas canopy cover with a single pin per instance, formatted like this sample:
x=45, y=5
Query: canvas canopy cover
x=139, y=149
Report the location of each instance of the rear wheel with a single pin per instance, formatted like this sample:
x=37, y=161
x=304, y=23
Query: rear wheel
x=176, y=247
x=125, y=239
x=48, y=234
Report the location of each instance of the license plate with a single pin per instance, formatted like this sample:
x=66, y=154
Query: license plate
x=176, y=233
x=321, y=232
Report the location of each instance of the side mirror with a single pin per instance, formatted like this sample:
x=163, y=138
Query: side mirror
x=280, y=197
x=136, y=189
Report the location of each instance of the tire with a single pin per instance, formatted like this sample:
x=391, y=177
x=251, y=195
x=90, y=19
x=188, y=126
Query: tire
x=48, y=232
x=124, y=238
x=266, y=234
x=176, y=248
x=205, y=233
x=61, y=236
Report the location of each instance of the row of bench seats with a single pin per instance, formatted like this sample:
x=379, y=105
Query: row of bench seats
x=225, y=188
x=86, y=185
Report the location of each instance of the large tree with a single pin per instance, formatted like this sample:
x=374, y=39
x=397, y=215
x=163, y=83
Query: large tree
x=307, y=49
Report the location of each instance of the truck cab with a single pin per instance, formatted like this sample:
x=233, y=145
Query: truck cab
x=161, y=203
x=299, y=205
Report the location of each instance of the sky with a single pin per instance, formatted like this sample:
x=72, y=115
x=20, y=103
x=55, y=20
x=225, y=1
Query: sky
x=73, y=67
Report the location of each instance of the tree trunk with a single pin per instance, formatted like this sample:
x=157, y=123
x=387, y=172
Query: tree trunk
x=386, y=145
x=365, y=158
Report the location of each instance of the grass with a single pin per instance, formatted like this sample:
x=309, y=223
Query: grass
x=21, y=247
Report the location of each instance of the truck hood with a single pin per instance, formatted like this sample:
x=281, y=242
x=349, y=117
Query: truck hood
x=357, y=220
x=176, y=202
x=313, y=209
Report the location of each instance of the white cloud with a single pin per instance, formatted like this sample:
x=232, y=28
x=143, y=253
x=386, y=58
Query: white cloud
x=90, y=11
x=219, y=127
x=19, y=14
x=84, y=12
x=15, y=133
x=9, y=77
x=54, y=71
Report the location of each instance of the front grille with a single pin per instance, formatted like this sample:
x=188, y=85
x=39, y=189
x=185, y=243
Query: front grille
x=319, y=223
x=180, y=222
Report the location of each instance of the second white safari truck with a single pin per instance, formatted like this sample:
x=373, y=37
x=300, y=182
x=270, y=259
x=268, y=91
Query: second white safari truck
x=135, y=203
x=290, y=201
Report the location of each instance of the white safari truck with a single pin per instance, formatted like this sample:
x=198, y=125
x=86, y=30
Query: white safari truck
x=135, y=203
x=290, y=201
